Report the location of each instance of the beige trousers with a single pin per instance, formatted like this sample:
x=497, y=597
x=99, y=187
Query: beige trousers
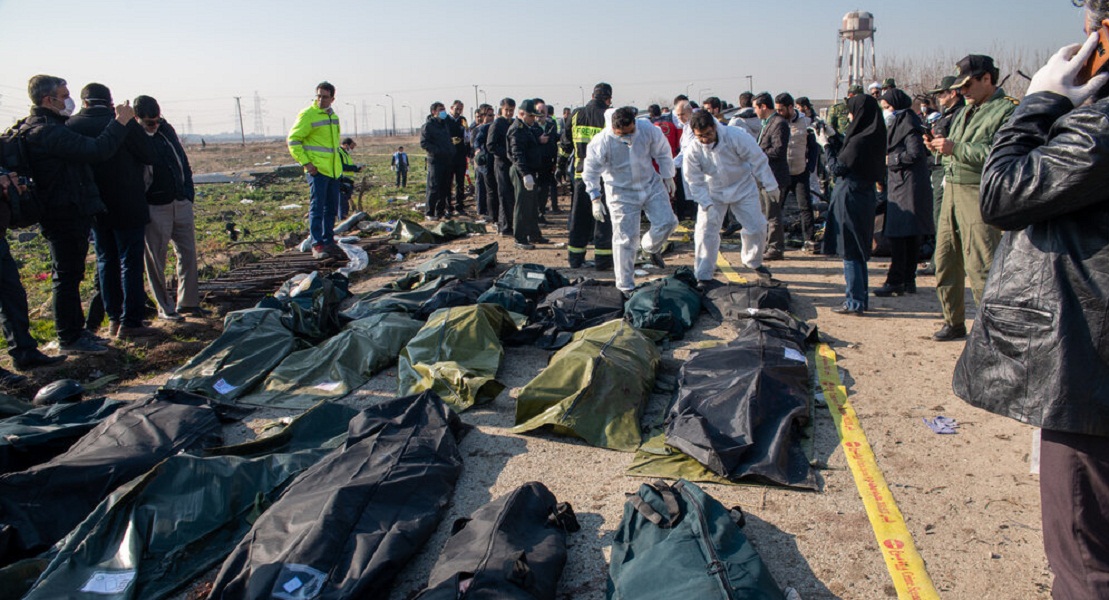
x=172, y=223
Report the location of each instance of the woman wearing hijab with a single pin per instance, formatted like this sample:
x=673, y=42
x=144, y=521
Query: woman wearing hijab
x=858, y=163
x=909, y=189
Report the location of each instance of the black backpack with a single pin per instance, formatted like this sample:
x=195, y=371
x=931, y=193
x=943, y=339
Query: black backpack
x=513, y=548
x=26, y=209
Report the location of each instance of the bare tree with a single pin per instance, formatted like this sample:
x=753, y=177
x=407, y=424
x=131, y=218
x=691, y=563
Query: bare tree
x=917, y=74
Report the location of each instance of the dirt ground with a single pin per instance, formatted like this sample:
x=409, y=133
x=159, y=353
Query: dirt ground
x=968, y=499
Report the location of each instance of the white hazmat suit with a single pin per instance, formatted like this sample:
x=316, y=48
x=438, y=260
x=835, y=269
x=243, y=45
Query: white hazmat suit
x=632, y=187
x=723, y=177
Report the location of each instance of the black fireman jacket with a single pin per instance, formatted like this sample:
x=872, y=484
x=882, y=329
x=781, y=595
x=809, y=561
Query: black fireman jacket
x=585, y=122
x=1039, y=350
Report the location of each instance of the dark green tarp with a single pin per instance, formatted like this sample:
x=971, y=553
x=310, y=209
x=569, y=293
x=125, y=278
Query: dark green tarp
x=457, y=355
x=408, y=293
x=670, y=304
x=531, y=280
x=11, y=406
x=444, y=231
x=338, y=366
x=310, y=304
x=253, y=342
x=40, y=434
x=40, y=505
x=594, y=388
x=348, y=524
x=737, y=300
x=157, y=533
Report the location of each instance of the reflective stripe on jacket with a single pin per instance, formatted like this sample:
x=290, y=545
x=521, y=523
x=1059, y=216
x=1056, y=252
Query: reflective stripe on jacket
x=314, y=139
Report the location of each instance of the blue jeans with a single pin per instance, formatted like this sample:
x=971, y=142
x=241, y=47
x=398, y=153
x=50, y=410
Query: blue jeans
x=854, y=273
x=119, y=264
x=321, y=212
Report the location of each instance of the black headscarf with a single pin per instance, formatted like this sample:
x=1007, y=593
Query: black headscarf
x=906, y=122
x=864, y=144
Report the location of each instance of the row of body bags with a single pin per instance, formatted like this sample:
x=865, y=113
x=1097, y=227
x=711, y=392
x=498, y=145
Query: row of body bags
x=333, y=506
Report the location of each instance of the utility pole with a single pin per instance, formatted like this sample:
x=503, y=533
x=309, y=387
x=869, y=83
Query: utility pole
x=189, y=124
x=354, y=110
x=409, y=117
x=384, y=122
x=364, y=119
x=393, y=109
x=582, y=90
x=239, y=108
x=259, y=126
x=473, y=109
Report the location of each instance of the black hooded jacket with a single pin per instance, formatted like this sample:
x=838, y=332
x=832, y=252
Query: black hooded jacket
x=1039, y=350
x=120, y=178
x=171, y=175
x=60, y=160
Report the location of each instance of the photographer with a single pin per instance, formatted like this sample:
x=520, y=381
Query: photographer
x=13, y=298
x=60, y=159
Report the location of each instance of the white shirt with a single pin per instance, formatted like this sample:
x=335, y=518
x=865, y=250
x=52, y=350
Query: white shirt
x=728, y=171
x=627, y=170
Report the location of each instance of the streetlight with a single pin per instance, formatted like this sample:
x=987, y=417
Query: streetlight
x=384, y=123
x=484, y=98
x=409, y=117
x=687, y=89
x=473, y=109
x=393, y=107
x=750, y=84
x=355, y=110
x=582, y=90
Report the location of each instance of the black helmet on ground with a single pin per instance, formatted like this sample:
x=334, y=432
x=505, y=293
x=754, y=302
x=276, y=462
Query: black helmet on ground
x=62, y=390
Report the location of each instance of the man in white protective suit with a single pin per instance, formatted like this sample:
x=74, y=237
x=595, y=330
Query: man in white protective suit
x=621, y=155
x=723, y=169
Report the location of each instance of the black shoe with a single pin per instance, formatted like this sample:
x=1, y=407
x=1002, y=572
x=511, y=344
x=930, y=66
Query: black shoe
x=656, y=260
x=888, y=290
x=929, y=270
x=542, y=220
x=949, y=333
x=763, y=272
x=602, y=264
x=195, y=311
x=731, y=230
x=524, y=245
x=9, y=379
x=843, y=309
x=35, y=359
x=773, y=255
x=706, y=285
x=540, y=240
x=910, y=288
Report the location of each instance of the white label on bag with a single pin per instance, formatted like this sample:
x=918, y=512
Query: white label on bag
x=293, y=585
x=104, y=582
x=223, y=387
x=535, y=276
x=328, y=386
x=792, y=354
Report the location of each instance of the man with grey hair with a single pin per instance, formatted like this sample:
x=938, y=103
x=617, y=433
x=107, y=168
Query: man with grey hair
x=60, y=159
x=1038, y=351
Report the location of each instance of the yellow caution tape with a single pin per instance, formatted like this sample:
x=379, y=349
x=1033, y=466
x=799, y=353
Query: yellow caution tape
x=905, y=564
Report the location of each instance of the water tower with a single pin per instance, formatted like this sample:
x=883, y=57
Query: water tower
x=855, y=62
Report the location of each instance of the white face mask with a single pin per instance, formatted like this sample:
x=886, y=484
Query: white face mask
x=889, y=116
x=69, y=107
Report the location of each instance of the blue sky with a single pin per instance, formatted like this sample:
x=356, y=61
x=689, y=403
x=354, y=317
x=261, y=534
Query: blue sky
x=196, y=56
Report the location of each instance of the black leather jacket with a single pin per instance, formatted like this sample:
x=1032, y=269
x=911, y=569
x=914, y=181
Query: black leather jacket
x=1039, y=350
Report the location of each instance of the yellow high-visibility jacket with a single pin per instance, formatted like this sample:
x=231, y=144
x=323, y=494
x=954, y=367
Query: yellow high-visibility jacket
x=315, y=138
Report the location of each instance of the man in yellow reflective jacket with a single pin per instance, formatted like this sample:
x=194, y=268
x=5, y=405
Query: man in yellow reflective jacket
x=314, y=143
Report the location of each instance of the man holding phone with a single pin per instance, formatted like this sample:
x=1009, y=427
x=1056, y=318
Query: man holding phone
x=964, y=243
x=1039, y=353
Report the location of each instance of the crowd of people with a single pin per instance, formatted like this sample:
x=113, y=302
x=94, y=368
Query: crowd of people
x=955, y=167
x=115, y=173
